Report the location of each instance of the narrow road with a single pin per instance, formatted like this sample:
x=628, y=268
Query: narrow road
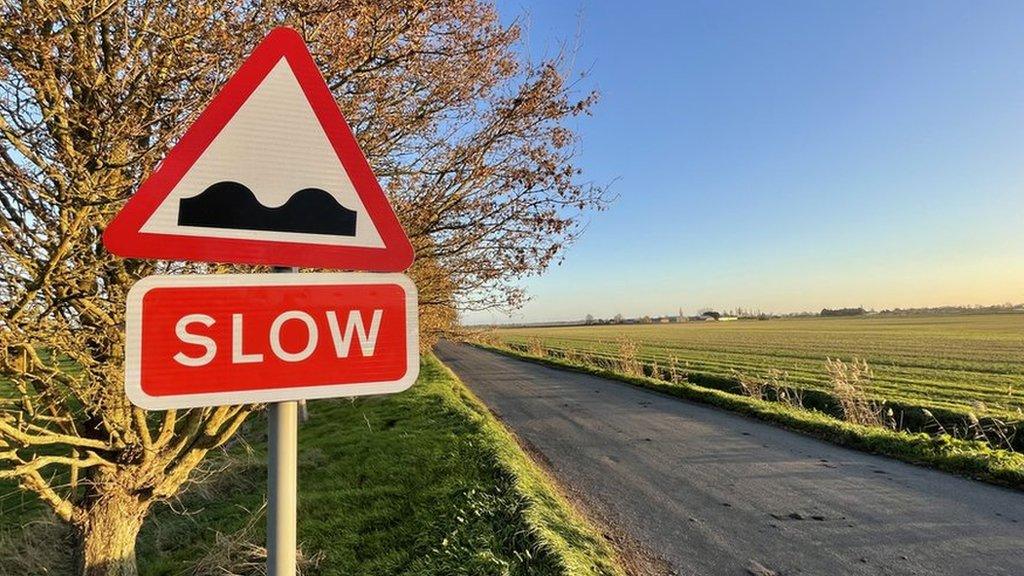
x=711, y=492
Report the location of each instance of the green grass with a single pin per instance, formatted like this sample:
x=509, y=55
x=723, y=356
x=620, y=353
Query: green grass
x=952, y=363
x=969, y=458
x=425, y=482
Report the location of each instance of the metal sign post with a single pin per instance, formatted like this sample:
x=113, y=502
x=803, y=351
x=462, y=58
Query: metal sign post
x=304, y=196
x=282, y=482
x=282, y=487
x=273, y=339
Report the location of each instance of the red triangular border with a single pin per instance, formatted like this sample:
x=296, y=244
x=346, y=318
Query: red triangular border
x=124, y=236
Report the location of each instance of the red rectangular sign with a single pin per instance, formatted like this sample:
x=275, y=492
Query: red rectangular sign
x=249, y=338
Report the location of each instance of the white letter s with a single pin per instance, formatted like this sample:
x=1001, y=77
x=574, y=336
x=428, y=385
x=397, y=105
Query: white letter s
x=181, y=331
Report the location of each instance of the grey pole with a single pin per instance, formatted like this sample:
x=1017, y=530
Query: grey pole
x=282, y=483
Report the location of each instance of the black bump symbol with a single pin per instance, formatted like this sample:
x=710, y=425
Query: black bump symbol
x=233, y=205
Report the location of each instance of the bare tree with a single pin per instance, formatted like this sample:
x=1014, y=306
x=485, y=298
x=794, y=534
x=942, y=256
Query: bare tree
x=468, y=138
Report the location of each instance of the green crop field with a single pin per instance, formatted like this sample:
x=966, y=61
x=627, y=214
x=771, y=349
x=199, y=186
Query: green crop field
x=959, y=363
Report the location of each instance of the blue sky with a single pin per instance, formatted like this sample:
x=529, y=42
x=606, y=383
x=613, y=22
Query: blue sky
x=791, y=155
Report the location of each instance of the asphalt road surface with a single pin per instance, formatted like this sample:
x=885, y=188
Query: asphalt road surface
x=711, y=492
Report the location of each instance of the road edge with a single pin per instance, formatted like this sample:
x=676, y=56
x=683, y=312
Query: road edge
x=564, y=530
x=972, y=459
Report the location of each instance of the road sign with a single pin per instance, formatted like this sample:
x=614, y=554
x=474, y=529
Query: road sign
x=269, y=174
x=251, y=338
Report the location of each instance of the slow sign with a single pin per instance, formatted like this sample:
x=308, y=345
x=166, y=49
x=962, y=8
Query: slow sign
x=252, y=338
x=269, y=173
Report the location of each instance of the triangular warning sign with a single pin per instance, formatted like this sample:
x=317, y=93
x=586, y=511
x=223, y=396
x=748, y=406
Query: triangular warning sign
x=269, y=174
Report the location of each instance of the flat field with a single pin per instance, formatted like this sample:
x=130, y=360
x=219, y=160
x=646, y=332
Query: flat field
x=960, y=363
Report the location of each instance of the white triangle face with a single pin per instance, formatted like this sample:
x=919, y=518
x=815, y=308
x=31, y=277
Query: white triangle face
x=274, y=146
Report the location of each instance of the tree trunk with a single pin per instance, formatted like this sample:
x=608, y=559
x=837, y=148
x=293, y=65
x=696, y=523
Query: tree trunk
x=107, y=536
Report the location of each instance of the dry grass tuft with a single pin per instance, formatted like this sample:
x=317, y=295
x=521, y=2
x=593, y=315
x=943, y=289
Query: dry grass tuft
x=752, y=386
x=237, y=554
x=536, y=347
x=993, y=431
x=629, y=358
x=849, y=381
x=772, y=386
x=656, y=372
x=39, y=547
x=674, y=373
x=572, y=356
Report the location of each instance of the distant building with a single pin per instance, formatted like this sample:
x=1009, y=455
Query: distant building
x=844, y=312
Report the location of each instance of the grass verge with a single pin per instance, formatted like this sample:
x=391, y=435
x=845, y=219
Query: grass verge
x=966, y=457
x=423, y=482
x=426, y=482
